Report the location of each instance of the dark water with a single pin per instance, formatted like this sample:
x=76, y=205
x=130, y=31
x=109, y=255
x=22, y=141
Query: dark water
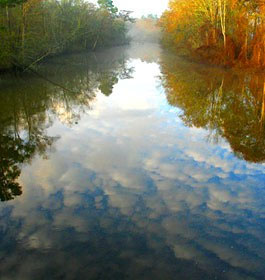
x=132, y=164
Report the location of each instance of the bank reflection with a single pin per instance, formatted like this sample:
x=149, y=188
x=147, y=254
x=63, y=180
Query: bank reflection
x=132, y=193
x=30, y=103
x=229, y=104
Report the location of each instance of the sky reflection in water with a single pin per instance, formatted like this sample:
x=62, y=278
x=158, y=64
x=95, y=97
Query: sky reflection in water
x=129, y=192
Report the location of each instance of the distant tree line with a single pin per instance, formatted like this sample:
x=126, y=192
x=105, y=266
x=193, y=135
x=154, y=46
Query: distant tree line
x=228, y=32
x=31, y=30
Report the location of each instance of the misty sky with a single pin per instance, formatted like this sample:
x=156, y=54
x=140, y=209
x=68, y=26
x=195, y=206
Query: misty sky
x=141, y=7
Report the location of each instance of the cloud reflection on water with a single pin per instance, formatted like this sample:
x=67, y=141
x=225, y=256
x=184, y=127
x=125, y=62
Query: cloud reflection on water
x=131, y=193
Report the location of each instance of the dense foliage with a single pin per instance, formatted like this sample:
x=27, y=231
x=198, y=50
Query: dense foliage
x=230, y=32
x=31, y=30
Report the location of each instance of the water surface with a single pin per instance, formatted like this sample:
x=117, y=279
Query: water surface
x=131, y=163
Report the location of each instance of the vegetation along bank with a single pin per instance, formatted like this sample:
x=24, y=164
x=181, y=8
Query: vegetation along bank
x=31, y=30
x=226, y=32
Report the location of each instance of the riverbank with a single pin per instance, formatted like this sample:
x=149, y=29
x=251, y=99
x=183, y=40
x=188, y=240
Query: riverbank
x=211, y=59
x=218, y=32
x=34, y=30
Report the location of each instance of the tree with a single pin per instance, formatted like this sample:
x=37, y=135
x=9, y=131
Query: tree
x=108, y=5
x=32, y=30
x=225, y=32
x=11, y=3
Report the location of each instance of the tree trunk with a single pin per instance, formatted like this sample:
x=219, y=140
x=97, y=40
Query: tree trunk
x=222, y=12
x=262, y=117
x=23, y=31
x=8, y=20
x=95, y=44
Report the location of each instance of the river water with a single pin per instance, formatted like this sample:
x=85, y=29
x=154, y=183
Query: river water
x=131, y=163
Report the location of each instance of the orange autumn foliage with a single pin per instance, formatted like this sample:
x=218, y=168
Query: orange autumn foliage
x=228, y=32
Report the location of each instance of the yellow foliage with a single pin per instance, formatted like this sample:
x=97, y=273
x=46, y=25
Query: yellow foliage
x=230, y=31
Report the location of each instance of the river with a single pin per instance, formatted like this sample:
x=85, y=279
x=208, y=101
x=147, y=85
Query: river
x=132, y=163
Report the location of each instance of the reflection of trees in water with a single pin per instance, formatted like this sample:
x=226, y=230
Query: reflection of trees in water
x=29, y=105
x=13, y=152
x=150, y=216
x=230, y=105
x=107, y=80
